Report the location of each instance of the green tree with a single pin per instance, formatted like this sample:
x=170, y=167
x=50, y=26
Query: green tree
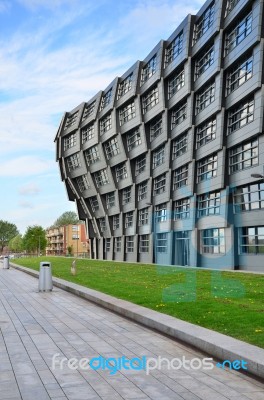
x=67, y=218
x=70, y=249
x=7, y=232
x=34, y=239
x=16, y=244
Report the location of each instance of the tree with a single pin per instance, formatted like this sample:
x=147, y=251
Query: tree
x=7, y=232
x=67, y=218
x=34, y=239
x=16, y=244
x=70, y=249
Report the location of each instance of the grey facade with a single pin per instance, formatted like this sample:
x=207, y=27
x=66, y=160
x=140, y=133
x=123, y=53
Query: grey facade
x=160, y=162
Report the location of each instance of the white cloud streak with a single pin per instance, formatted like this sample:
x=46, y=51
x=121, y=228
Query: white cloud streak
x=25, y=166
x=30, y=189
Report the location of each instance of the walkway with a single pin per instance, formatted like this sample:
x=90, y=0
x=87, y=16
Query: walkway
x=35, y=326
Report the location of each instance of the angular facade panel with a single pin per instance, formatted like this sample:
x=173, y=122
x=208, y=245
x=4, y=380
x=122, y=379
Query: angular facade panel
x=160, y=163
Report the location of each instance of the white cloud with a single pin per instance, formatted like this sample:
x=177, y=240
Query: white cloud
x=25, y=166
x=30, y=189
x=26, y=204
x=4, y=6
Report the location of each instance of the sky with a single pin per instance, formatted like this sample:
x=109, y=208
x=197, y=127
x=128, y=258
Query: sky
x=55, y=54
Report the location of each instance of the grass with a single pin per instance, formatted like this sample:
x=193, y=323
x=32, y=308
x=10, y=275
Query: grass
x=227, y=302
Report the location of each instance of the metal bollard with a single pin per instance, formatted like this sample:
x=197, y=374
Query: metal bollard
x=45, y=277
x=6, y=262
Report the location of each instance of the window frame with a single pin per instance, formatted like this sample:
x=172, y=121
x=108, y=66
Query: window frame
x=127, y=112
x=159, y=184
x=204, y=171
x=148, y=70
x=180, y=177
x=208, y=204
x=235, y=153
x=214, y=239
x=70, y=141
x=150, y=99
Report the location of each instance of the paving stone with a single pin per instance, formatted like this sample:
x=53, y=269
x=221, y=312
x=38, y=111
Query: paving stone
x=38, y=325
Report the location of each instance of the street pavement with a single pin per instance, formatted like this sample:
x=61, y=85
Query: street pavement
x=35, y=326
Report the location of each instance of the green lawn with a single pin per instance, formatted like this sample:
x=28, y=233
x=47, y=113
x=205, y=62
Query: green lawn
x=227, y=302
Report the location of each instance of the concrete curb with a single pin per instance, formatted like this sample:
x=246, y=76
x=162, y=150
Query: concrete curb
x=213, y=343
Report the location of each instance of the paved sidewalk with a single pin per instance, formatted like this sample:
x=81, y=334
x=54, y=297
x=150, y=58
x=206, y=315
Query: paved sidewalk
x=35, y=326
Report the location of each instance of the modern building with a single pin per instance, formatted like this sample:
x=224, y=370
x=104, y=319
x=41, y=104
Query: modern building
x=60, y=239
x=160, y=162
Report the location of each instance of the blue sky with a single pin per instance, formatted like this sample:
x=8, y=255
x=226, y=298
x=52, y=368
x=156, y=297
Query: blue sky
x=55, y=54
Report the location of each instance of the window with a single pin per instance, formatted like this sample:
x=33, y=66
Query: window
x=182, y=209
x=117, y=242
x=94, y=203
x=105, y=124
x=73, y=162
x=107, y=245
x=126, y=195
x=149, y=69
x=240, y=115
x=174, y=49
x=162, y=242
x=101, y=178
x=142, y=190
x=92, y=155
x=203, y=24
x=205, y=97
x=180, y=177
x=158, y=157
x=238, y=75
x=143, y=243
x=106, y=98
x=143, y=217
x=155, y=128
x=129, y=244
x=111, y=148
x=75, y=228
x=102, y=224
x=129, y=219
x=179, y=146
x=243, y=156
x=230, y=5
x=206, y=168
x=110, y=200
x=208, y=204
x=150, y=99
x=133, y=139
x=252, y=240
x=140, y=164
x=127, y=113
x=121, y=172
x=238, y=34
x=70, y=141
x=87, y=133
x=116, y=222
x=204, y=62
x=82, y=183
x=161, y=213
x=206, y=132
x=75, y=236
x=88, y=110
x=124, y=86
x=178, y=115
x=175, y=84
x=71, y=120
x=249, y=197
x=213, y=241
x=159, y=185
